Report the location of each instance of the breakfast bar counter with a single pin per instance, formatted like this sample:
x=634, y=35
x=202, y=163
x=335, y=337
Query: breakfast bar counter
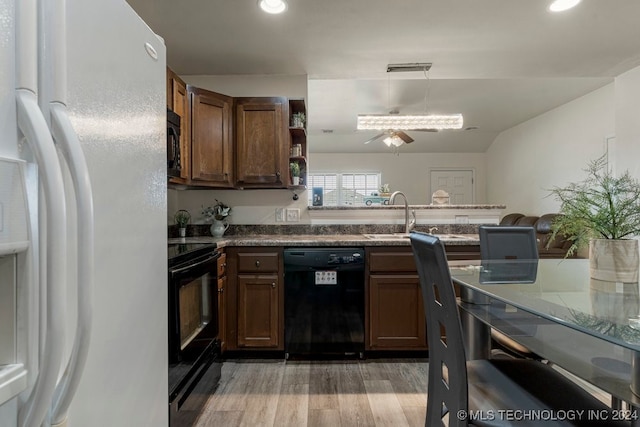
x=369, y=239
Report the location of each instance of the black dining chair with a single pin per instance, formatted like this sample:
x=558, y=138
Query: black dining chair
x=480, y=392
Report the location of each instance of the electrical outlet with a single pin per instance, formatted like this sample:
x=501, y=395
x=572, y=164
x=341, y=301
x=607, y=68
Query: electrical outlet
x=462, y=219
x=279, y=214
x=293, y=215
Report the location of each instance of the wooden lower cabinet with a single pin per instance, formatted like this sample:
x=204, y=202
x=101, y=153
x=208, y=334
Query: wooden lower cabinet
x=394, y=310
x=222, y=313
x=255, y=299
x=396, y=313
x=258, y=311
x=222, y=303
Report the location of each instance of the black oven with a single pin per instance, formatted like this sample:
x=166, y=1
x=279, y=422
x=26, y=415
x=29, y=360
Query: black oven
x=194, y=347
x=173, y=144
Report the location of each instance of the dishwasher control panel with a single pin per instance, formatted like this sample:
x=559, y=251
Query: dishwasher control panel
x=352, y=258
x=297, y=259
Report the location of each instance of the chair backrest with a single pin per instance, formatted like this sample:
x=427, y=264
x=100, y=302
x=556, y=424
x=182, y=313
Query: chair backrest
x=447, y=390
x=507, y=242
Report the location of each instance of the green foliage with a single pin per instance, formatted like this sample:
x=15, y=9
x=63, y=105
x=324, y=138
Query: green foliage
x=600, y=207
x=182, y=218
x=299, y=117
x=295, y=168
x=218, y=211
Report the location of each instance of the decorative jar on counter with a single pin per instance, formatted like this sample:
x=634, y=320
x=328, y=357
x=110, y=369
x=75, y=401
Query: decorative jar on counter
x=218, y=228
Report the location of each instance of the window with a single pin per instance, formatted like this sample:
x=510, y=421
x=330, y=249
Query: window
x=339, y=189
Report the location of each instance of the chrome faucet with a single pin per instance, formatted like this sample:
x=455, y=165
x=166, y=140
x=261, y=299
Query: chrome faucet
x=408, y=226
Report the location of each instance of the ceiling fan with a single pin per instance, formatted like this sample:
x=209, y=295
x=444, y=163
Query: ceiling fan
x=392, y=134
x=396, y=137
x=393, y=124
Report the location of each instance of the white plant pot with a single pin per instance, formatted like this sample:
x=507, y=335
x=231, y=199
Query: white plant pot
x=296, y=180
x=614, y=260
x=182, y=232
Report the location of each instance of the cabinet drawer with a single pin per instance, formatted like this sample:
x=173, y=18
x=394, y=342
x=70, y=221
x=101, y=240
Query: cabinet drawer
x=222, y=265
x=392, y=261
x=255, y=262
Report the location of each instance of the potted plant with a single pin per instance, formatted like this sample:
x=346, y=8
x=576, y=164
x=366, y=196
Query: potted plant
x=295, y=172
x=182, y=218
x=298, y=120
x=603, y=211
x=217, y=215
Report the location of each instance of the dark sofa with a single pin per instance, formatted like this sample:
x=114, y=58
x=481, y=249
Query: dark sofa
x=556, y=249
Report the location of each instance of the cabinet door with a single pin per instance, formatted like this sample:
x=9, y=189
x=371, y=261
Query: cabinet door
x=222, y=312
x=396, y=314
x=258, y=308
x=262, y=143
x=178, y=101
x=211, y=144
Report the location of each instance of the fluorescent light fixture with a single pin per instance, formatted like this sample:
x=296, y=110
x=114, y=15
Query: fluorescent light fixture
x=562, y=5
x=409, y=122
x=273, y=6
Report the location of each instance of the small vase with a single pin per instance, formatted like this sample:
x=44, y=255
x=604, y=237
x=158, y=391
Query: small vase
x=218, y=228
x=182, y=232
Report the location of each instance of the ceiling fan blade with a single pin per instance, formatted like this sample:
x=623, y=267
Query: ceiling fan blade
x=380, y=135
x=403, y=136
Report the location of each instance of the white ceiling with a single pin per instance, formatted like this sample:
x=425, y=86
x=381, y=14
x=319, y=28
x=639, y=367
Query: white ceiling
x=498, y=62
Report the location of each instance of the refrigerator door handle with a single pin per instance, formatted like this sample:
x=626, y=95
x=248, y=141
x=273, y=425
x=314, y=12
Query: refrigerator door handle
x=34, y=127
x=67, y=140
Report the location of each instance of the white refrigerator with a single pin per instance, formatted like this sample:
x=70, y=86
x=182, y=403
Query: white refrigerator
x=83, y=223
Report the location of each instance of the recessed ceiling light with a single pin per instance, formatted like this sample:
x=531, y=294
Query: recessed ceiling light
x=562, y=5
x=273, y=6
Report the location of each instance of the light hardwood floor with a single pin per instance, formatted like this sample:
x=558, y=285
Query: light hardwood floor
x=319, y=393
x=374, y=392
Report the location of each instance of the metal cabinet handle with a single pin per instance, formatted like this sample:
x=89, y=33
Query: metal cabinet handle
x=258, y=263
x=273, y=285
x=278, y=174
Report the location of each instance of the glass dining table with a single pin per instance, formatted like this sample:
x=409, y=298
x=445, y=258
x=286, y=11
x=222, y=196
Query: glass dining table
x=591, y=328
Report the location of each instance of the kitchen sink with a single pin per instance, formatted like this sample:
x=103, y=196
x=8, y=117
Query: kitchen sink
x=387, y=236
x=450, y=236
x=393, y=236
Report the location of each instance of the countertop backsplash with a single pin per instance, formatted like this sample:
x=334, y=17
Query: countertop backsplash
x=194, y=230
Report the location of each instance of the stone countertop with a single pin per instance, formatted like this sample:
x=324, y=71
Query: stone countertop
x=401, y=206
x=320, y=240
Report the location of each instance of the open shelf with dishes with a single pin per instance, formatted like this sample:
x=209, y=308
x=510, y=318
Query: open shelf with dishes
x=297, y=144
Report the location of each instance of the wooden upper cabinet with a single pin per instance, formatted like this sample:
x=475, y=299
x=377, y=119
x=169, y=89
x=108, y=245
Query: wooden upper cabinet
x=178, y=101
x=211, y=138
x=262, y=142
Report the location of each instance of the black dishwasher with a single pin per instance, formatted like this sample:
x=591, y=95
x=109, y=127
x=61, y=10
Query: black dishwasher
x=324, y=302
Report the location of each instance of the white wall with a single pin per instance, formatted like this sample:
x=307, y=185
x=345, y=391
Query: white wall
x=627, y=98
x=406, y=172
x=252, y=85
x=524, y=162
x=259, y=206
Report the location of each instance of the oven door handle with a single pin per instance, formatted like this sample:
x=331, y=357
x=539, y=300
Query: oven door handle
x=209, y=258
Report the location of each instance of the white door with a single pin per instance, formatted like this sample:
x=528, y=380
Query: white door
x=457, y=182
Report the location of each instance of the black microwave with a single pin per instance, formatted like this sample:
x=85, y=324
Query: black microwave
x=173, y=143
